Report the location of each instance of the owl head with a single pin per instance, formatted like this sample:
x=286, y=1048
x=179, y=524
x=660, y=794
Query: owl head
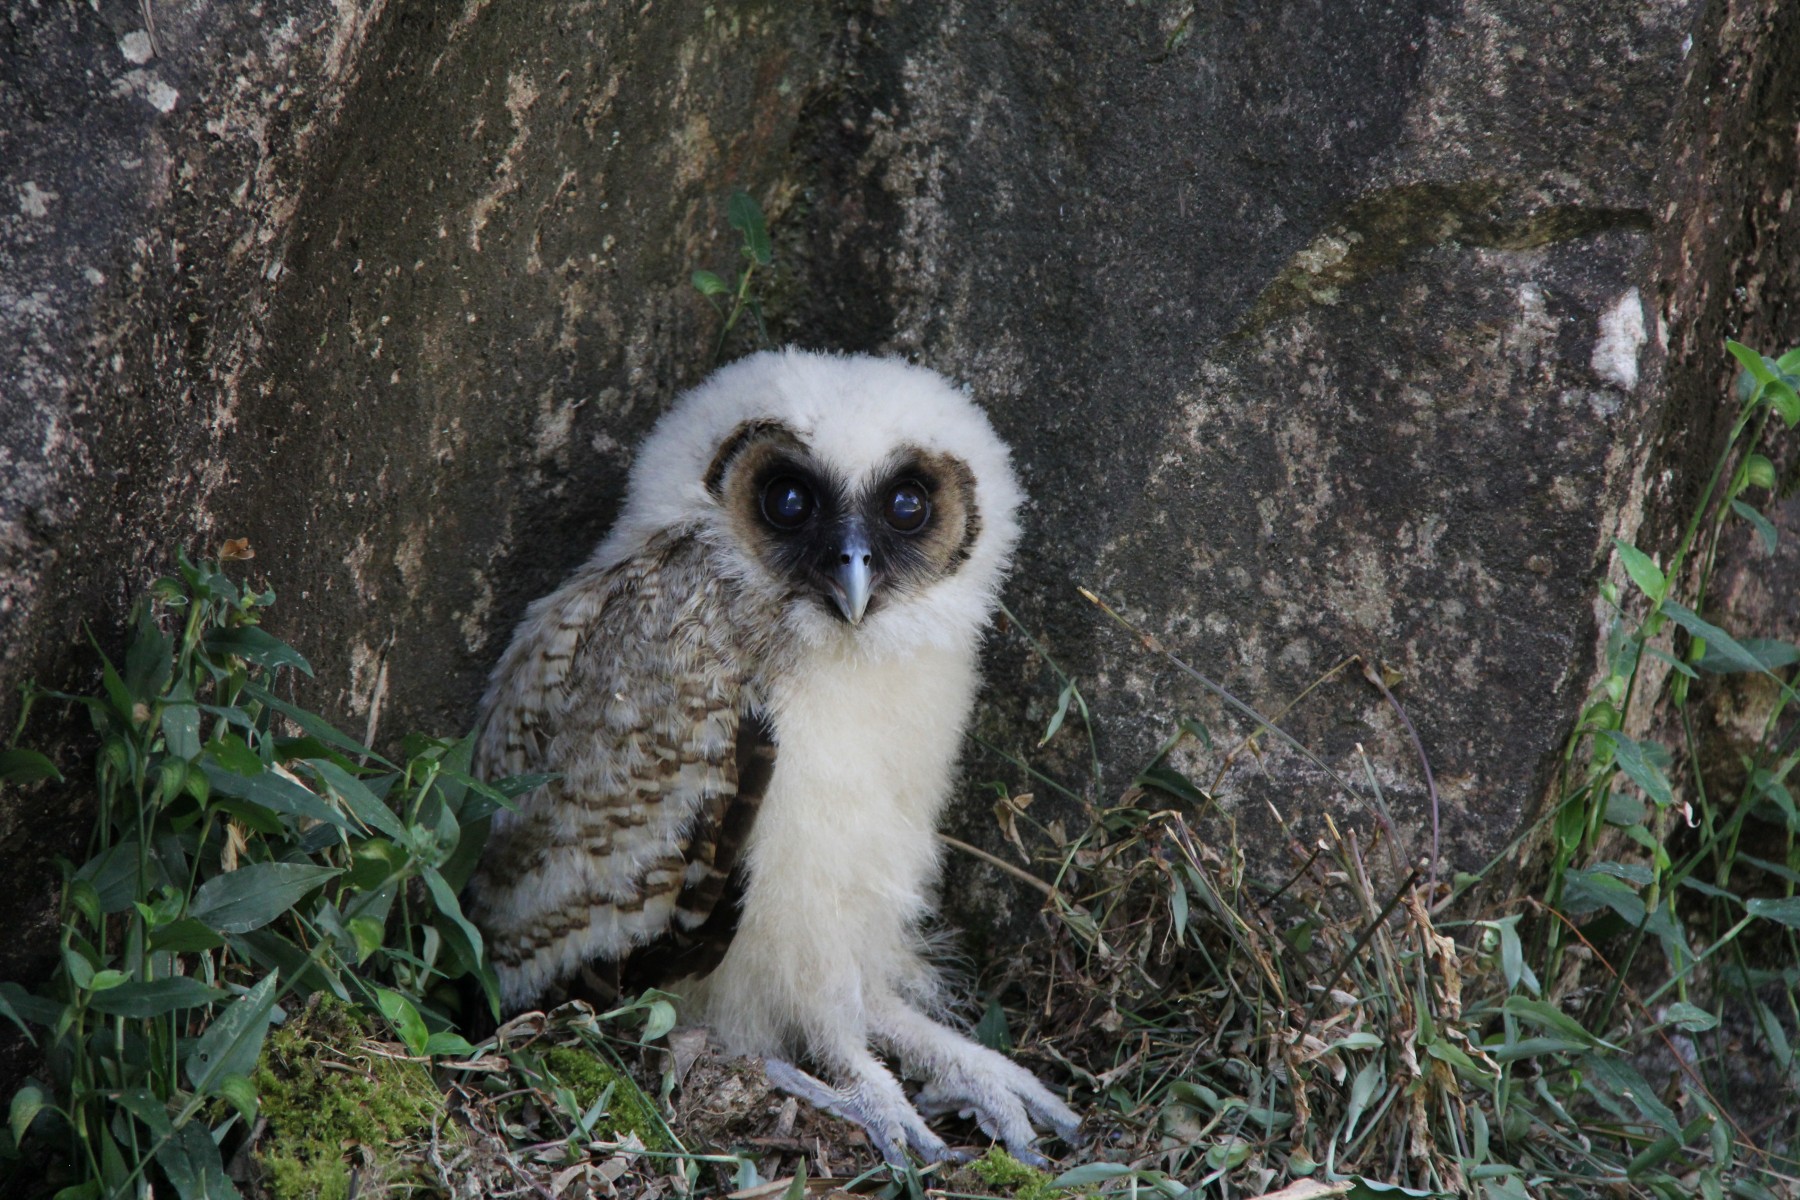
x=867, y=500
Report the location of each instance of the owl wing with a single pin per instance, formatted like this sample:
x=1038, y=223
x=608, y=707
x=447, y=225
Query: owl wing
x=631, y=684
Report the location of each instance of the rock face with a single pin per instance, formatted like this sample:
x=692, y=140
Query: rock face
x=1318, y=332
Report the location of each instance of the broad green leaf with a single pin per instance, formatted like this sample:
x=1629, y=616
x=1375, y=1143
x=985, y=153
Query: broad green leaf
x=27, y=1103
x=234, y=1039
x=148, y=1109
x=1759, y=522
x=464, y=938
x=114, y=876
x=1768, y=652
x=1368, y=1082
x=659, y=1020
x=240, y=1093
x=1585, y=891
x=363, y=804
x=445, y=1042
x=1531, y=1047
x=404, y=1017
x=1623, y=1080
x=746, y=216
x=1752, y=361
x=1783, y=910
x=1643, y=570
x=1689, y=1016
x=26, y=766
x=184, y=937
x=1446, y=1051
x=191, y=1161
x=1785, y=401
x=1643, y=763
x=256, y=645
x=275, y=792
x=1622, y=808
x=709, y=284
x=19, y=1003
x=1717, y=640
x=252, y=896
x=1362, y=1040
x=314, y=725
x=992, y=1030
x=1173, y=782
x=154, y=997
x=1545, y=1015
x=1089, y=1174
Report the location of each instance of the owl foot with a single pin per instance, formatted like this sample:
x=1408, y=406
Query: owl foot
x=876, y=1103
x=967, y=1078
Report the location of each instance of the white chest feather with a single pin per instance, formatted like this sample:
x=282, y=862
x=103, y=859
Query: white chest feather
x=844, y=851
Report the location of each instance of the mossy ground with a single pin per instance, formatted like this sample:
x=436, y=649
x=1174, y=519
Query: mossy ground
x=1001, y=1171
x=629, y=1111
x=330, y=1103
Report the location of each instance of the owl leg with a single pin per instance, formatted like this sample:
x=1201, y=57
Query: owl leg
x=872, y=1098
x=965, y=1077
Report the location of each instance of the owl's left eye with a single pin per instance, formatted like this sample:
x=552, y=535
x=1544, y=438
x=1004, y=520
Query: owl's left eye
x=787, y=503
x=907, y=507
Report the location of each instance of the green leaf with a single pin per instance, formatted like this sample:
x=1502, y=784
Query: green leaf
x=1765, y=529
x=1623, y=1080
x=363, y=804
x=1446, y=1051
x=404, y=1017
x=992, y=1030
x=659, y=1020
x=1643, y=763
x=1172, y=782
x=1057, y=718
x=445, y=1042
x=460, y=932
x=27, y=1103
x=1088, y=1174
x=1625, y=809
x=1785, y=401
x=277, y=793
x=154, y=997
x=1370, y=1080
x=1643, y=570
x=185, y=936
x=256, y=645
x=1752, y=361
x=191, y=1161
x=1657, y=652
x=234, y=1039
x=1688, y=1016
x=26, y=766
x=1362, y=1040
x=1585, y=891
x=746, y=216
x=148, y=1109
x=1547, y=1016
x=314, y=725
x=240, y=1093
x=1784, y=910
x=1770, y=652
x=252, y=896
x=1717, y=641
x=1531, y=1047
x=709, y=284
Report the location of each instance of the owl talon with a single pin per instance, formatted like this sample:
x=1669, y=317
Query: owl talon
x=875, y=1104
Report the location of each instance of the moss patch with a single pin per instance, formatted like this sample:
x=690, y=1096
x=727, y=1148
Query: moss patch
x=998, y=1169
x=326, y=1098
x=586, y=1074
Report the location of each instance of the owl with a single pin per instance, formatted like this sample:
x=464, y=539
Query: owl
x=752, y=699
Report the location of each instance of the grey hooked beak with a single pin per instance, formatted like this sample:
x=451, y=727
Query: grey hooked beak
x=851, y=575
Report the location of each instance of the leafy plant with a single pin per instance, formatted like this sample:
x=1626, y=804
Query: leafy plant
x=732, y=297
x=245, y=856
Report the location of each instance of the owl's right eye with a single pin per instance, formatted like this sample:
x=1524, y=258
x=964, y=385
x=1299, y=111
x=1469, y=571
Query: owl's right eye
x=787, y=503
